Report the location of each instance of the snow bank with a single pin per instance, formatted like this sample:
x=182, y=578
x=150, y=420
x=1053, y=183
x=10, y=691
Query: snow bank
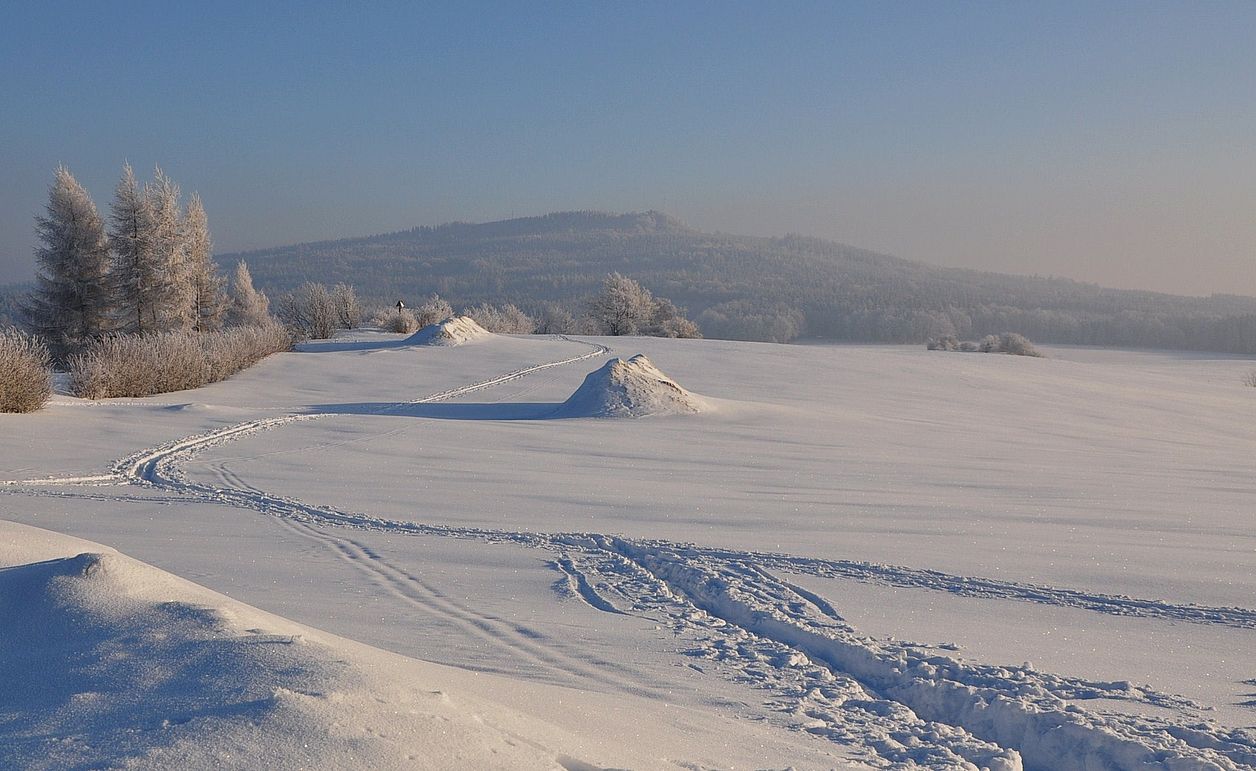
x=107, y=661
x=455, y=330
x=629, y=389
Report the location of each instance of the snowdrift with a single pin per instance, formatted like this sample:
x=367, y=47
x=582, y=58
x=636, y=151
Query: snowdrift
x=629, y=389
x=108, y=661
x=455, y=330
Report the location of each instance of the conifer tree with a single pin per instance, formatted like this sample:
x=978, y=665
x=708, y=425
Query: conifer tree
x=135, y=280
x=207, y=296
x=70, y=304
x=172, y=290
x=248, y=306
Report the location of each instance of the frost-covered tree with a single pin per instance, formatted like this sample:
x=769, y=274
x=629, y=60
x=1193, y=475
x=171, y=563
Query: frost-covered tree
x=139, y=285
x=247, y=306
x=623, y=307
x=70, y=303
x=506, y=320
x=311, y=311
x=432, y=310
x=172, y=289
x=344, y=299
x=556, y=320
x=670, y=321
x=206, y=285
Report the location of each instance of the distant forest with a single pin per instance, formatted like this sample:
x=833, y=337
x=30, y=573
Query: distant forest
x=771, y=289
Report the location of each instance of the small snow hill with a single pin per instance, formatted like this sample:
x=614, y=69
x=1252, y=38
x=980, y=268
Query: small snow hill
x=109, y=662
x=455, y=330
x=629, y=389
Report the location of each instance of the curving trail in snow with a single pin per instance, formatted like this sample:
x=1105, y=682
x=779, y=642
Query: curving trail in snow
x=900, y=704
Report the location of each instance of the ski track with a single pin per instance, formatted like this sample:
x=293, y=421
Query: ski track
x=898, y=704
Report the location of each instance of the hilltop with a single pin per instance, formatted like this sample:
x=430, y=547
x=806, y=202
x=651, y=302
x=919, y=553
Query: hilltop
x=746, y=287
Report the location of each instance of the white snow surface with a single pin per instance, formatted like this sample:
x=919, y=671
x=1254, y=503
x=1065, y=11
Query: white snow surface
x=632, y=388
x=868, y=555
x=455, y=330
x=107, y=660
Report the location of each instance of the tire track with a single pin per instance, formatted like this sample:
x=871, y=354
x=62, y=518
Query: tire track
x=546, y=654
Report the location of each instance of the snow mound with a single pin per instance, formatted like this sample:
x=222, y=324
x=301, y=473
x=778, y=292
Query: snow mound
x=455, y=330
x=109, y=662
x=630, y=389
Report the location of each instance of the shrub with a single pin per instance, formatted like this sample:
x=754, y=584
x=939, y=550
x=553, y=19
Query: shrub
x=392, y=320
x=345, y=302
x=1008, y=342
x=506, y=320
x=315, y=312
x=624, y=307
x=1249, y=379
x=1017, y=345
x=669, y=321
x=143, y=365
x=744, y=320
x=432, y=310
x=25, y=372
x=557, y=320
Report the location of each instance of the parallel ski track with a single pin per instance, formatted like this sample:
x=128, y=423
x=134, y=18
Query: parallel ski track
x=898, y=704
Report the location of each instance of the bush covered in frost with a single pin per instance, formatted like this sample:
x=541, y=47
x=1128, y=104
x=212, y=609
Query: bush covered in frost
x=25, y=372
x=1008, y=342
x=142, y=365
x=506, y=320
x=393, y=320
x=315, y=311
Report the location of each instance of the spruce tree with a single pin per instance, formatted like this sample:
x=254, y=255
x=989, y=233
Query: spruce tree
x=172, y=287
x=208, y=300
x=248, y=306
x=134, y=277
x=70, y=304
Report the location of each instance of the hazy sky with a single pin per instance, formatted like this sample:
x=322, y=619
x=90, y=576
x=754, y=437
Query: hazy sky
x=1107, y=142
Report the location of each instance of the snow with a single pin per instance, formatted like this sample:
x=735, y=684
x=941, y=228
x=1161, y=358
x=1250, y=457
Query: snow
x=632, y=388
x=106, y=659
x=455, y=330
x=853, y=560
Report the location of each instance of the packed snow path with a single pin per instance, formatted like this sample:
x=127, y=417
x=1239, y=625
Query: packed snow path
x=899, y=703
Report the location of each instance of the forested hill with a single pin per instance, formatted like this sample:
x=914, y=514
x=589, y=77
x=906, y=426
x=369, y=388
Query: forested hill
x=752, y=288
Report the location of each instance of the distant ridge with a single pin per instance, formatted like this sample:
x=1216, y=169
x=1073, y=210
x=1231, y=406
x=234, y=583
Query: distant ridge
x=585, y=222
x=775, y=289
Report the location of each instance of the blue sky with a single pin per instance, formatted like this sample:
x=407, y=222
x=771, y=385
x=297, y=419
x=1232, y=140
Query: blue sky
x=1108, y=142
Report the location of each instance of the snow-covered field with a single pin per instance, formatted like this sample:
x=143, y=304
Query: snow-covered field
x=399, y=554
